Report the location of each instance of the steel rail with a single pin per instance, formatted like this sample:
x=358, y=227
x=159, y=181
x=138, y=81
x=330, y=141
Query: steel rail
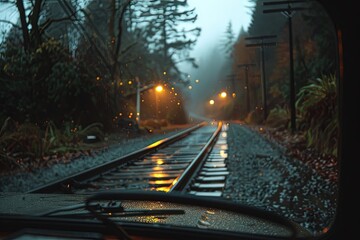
x=65, y=184
x=181, y=183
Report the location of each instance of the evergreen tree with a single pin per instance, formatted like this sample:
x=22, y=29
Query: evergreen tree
x=170, y=43
x=229, y=39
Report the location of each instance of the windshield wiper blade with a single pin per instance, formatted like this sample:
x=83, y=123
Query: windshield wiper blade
x=126, y=213
x=111, y=209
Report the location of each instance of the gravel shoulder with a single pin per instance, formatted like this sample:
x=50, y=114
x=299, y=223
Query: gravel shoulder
x=262, y=174
x=118, y=146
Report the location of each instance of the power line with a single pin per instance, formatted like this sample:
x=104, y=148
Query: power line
x=288, y=12
x=261, y=42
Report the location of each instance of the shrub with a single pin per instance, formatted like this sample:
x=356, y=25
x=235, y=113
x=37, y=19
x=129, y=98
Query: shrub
x=255, y=117
x=317, y=105
x=26, y=145
x=278, y=117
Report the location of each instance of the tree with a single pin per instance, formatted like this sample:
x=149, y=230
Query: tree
x=171, y=44
x=229, y=39
x=40, y=78
x=243, y=55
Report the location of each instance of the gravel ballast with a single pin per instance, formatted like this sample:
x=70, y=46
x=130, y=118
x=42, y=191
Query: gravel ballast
x=26, y=181
x=261, y=175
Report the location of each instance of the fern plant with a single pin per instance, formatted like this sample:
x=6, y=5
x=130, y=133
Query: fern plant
x=27, y=145
x=278, y=117
x=317, y=105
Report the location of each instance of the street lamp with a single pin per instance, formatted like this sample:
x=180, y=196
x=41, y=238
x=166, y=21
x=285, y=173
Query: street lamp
x=223, y=94
x=140, y=89
x=158, y=89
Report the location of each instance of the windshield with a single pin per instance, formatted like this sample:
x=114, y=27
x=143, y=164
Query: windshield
x=235, y=100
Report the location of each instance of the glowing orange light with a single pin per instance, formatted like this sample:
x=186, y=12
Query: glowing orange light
x=155, y=144
x=158, y=168
x=160, y=161
x=223, y=154
x=223, y=94
x=159, y=175
x=212, y=102
x=159, y=88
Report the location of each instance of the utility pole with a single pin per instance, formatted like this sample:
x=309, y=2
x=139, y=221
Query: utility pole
x=262, y=41
x=288, y=12
x=246, y=66
x=232, y=78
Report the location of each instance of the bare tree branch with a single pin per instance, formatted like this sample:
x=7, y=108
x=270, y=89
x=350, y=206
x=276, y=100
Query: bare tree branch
x=48, y=22
x=11, y=23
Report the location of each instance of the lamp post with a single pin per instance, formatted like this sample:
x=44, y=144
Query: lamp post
x=140, y=89
x=137, y=101
x=158, y=89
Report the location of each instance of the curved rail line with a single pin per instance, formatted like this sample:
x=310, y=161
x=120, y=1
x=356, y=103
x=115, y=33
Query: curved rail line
x=189, y=162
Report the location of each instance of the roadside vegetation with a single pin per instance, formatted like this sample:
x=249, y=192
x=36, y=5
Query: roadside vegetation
x=27, y=146
x=317, y=113
x=75, y=72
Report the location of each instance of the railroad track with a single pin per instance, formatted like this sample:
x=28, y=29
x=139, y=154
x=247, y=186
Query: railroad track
x=192, y=161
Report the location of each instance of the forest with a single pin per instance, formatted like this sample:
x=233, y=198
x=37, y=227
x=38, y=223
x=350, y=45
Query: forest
x=266, y=45
x=71, y=68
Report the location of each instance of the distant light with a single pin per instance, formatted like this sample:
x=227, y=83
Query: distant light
x=178, y=104
x=233, y=95
x=190, y=87
x=223, y=94
x=212, y=102
x=164, y=73
x=189, y=76
x=159, y=88
x=197, y=80
x=175, y=94
x=129, y=82
x=97, y=78
x=120, y=83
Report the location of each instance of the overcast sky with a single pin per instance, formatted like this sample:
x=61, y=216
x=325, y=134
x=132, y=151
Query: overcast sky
x=213, y=18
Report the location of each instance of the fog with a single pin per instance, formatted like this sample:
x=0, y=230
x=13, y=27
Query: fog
x=214, y=64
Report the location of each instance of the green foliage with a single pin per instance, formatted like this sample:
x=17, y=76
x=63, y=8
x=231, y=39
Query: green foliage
x=255, y=117
x=25, y=145
x=317, y=104
x=46, y=84
x=278, y=118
